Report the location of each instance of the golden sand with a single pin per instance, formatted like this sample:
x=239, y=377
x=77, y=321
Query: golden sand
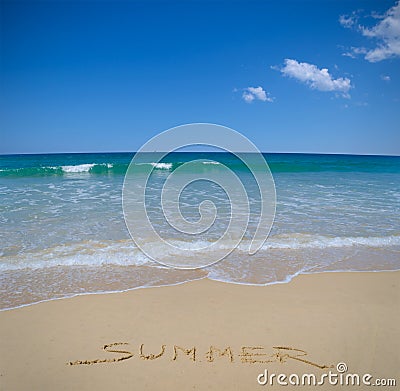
x=205, y=335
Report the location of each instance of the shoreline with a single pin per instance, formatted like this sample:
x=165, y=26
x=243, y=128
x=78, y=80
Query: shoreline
x=144, y=338
x=286, y=281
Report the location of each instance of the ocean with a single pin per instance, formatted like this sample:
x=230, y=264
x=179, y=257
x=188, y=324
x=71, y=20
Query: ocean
x=63, y=233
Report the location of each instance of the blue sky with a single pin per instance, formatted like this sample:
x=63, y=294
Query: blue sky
x=293, y=76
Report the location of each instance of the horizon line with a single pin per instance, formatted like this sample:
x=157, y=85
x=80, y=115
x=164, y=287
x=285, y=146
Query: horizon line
x=134, y=152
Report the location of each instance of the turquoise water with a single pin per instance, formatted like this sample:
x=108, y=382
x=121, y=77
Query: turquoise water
x=62, y=229
x=117, y=163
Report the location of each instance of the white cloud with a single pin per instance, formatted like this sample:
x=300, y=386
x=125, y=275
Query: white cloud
x=386, y=33
x=385, y=77
x=315, y=78
x=348, y=21
x=354, y=52
x=256, y=93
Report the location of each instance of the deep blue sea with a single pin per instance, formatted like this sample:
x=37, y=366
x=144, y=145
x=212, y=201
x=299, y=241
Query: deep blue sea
x=62, y=229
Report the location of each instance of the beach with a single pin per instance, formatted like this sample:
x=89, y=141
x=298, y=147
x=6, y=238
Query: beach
x=64, y=230
x=83, y=306
x=205, y=335
x=199, y=195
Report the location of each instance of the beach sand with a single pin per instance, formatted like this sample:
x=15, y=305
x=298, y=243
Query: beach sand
x=330, y=318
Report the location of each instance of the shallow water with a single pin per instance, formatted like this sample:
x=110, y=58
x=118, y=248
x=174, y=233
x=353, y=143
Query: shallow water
x=62, y=229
